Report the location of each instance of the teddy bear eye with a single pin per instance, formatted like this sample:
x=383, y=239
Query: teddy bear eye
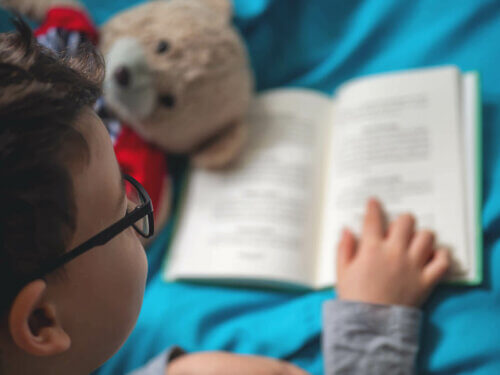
x=162, y=46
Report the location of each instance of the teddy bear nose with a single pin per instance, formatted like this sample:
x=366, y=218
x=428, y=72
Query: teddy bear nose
x=122, y=76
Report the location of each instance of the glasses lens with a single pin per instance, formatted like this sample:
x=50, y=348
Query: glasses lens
x=135, y=199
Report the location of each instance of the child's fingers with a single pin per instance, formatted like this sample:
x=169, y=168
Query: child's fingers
x=374, y=222
x=402, y=232
x=391, y=227
x=422, y=247
x=346, y=248
x=437, y=267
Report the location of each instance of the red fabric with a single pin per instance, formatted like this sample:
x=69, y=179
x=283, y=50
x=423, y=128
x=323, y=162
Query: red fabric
x=70, y=19
x=142, y=161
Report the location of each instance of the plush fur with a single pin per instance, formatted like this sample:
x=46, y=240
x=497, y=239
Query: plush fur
x=189, y=81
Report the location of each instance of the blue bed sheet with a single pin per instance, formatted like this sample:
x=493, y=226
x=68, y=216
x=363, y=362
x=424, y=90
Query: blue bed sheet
x=320, y=44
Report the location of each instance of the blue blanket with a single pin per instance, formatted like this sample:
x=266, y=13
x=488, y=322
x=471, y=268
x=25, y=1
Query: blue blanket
x=320, y=44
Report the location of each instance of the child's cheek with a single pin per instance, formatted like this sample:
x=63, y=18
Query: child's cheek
x=137, y=261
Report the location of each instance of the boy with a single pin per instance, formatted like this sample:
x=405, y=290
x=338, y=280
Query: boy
x=73, y=270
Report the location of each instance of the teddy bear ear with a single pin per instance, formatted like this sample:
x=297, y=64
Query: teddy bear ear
x=222, y=7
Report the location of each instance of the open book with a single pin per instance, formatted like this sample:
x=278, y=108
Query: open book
x=411, y=139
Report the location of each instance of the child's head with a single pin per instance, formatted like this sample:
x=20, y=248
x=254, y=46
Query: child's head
x=60, y=185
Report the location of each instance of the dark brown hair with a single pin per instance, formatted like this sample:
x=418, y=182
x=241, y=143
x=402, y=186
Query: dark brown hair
x=41, y=95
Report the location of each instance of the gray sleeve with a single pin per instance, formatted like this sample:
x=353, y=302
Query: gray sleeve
x=158, y=365
x=360, y=338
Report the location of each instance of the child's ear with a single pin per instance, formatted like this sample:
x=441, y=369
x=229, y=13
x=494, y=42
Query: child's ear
x=33, y=323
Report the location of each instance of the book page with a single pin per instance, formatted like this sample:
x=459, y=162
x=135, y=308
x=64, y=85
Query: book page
x=257, y=220
x=471, y=133
x=397, y=137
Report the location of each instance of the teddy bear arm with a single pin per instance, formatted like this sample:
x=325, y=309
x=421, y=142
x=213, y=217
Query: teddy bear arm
x=223, y=149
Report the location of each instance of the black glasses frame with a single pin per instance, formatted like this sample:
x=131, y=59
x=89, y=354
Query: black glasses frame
x=101, y=238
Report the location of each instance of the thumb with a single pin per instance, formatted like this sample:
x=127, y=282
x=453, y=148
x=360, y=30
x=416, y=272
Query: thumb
x=437, y=267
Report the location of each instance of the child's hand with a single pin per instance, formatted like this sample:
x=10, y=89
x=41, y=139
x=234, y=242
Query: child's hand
x=220, y=363
x=400, y=267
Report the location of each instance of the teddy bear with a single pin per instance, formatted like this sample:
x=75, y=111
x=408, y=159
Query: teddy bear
x=178, y=81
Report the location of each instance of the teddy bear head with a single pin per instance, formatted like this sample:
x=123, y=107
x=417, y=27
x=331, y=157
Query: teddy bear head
x=177, y=71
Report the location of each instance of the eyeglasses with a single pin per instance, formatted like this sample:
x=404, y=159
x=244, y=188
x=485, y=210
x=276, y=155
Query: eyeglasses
x=139, y=215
